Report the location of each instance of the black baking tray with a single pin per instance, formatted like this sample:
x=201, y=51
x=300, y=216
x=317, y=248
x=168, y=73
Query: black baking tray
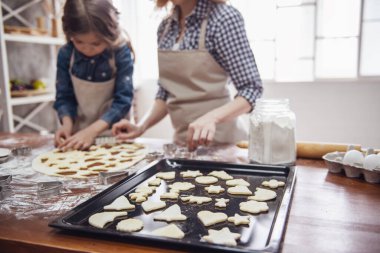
x=264, y=234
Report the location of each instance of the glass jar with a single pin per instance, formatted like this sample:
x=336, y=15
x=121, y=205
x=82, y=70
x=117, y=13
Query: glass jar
x=272, y=133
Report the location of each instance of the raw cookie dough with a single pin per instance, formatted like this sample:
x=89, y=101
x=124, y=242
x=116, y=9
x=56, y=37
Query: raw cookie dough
x=263, y=195
x=145, y=189
x=181, y=186
x=206, y=180
x=220, y=174
x=196, y=199
x=239, y=220
x=173, y=213
x=273, y=183
x=130, y=225
x=191, y=173
x=138, y=196
x=171, y=231
x=239, y=190
x=214, y=189
x=149, y=206
x=170, y=175
x=235, y=182
x=221, y=202
x=253, y=206
x=98, y=220
x=169, y=195
x=209, y=218
x=222, y=237
x=121, y=203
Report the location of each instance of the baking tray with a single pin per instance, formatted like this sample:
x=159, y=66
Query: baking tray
x=264, y=233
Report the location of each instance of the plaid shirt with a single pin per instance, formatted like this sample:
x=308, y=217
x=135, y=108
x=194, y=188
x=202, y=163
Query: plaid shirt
x=226, y=41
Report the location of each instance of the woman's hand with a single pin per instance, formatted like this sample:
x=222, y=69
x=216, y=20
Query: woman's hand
x=125, y=130
x=201, y=131
x=82, y=140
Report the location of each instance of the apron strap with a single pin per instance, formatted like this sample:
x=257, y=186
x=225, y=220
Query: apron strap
x=202, y=35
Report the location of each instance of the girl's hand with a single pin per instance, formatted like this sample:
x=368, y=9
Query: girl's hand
x=82, y=140
x=62, y=134
x=201, y=131
x=124, y=130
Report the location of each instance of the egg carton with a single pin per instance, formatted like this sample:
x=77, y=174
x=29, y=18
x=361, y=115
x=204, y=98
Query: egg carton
x=337, y=162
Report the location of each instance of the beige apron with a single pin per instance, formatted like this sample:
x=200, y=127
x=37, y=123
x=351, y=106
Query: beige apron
x=94, y=98
x=196, y=84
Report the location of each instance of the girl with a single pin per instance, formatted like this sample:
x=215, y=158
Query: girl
x=94, y=73
x=201, y=46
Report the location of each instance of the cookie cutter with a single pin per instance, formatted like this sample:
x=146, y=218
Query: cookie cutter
x=5, y=191
x=106, y=178
x=22, y=151
x=105, y=140
x=48, y=189
x=5, y=180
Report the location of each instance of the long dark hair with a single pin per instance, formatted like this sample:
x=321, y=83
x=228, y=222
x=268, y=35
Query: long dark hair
x=98, y=16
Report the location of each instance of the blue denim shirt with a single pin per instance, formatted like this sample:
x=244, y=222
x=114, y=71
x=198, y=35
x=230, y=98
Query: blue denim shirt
x=95, y=69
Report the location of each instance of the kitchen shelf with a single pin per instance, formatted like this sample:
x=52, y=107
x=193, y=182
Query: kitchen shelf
x=48, y=40
x=33, y=99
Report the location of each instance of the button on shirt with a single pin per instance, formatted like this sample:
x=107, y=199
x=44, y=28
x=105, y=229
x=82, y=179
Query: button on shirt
x=94, y=69
x=226, y=41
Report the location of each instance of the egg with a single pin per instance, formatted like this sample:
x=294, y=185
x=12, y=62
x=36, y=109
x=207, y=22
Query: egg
x=371, y=162
x=353, y=157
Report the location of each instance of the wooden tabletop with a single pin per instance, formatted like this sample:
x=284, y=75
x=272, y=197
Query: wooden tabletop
x=329, y=213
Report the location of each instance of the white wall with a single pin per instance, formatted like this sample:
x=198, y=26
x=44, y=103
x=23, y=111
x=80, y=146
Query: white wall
x=343, y=112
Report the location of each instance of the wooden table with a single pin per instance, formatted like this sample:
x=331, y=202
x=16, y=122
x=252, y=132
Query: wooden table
x=329, y=213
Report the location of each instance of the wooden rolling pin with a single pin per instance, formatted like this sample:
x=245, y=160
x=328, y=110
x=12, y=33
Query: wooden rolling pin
x=315, y=150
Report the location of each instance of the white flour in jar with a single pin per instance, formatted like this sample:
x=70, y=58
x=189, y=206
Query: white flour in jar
x=272, y=140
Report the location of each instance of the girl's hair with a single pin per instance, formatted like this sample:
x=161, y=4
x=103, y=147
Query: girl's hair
x=163, y=3
x=98, y=16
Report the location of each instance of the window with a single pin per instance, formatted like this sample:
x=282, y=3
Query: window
x=293, y=40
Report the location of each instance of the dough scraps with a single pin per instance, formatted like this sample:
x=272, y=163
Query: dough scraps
x=209, y=218
x=99, y=220
x=121, y=203
x=130, y=225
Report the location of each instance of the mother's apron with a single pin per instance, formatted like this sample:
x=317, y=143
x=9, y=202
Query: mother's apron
x=196, y=84
x=94, y=98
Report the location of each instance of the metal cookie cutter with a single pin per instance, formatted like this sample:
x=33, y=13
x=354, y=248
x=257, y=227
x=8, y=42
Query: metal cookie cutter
x=5, y=180
x=106, y=178
x=48, y=189
x=22, y=151
x=5, y=191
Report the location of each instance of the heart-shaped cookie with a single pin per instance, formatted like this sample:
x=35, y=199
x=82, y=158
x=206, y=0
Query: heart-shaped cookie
x=209, y=218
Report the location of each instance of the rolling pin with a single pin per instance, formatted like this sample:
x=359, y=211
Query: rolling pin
x=315, y=150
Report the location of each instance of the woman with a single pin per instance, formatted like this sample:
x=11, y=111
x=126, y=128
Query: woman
x=201, y=46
